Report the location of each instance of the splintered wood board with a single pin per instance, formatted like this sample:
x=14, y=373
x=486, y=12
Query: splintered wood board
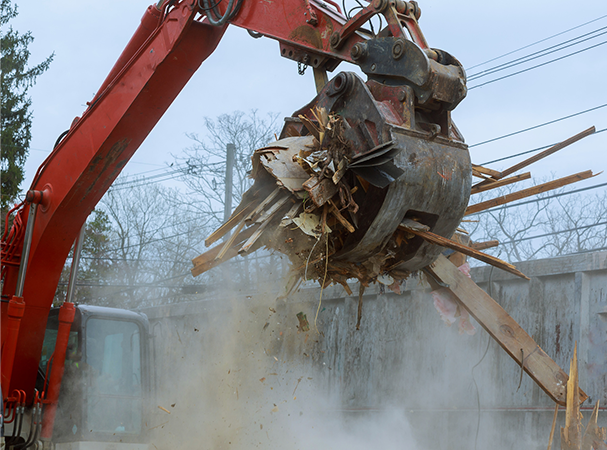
x=505, y=330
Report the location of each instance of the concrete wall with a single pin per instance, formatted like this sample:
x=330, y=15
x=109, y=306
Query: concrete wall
x=457, y=391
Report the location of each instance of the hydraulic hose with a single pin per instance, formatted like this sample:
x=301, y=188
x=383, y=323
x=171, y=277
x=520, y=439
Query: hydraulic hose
x=33, y=426
x=213, y=15
x=19, y=410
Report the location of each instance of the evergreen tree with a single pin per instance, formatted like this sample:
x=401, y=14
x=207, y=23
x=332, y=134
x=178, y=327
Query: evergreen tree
x=16, y=79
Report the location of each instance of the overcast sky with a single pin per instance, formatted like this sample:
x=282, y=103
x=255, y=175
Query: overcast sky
x=244, y=74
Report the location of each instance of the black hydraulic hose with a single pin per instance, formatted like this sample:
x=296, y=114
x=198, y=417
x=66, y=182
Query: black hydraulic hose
x=21, y=415
x=60, y=138
x=39, y=427
x=33, y=426
x=213, y=14
x=18, y=423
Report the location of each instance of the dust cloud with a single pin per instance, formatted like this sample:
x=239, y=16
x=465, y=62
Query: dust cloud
x=239, y=374
x=237, y=370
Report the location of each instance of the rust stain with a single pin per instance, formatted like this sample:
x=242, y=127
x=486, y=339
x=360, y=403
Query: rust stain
x=308, y=35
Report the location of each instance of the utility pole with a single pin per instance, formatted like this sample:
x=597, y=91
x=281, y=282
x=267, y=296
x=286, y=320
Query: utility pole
x=227, y=208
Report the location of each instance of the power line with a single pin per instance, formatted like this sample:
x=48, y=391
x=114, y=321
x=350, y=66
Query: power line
x=536, y=66
x=528, y=238
x=538, y=54
x=531, y=151
x=538, y=126
x=143, y=183
x=596, y=186
x=153, y=240
x=536, y=42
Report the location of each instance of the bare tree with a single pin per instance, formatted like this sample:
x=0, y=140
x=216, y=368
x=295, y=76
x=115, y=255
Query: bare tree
x=543, y=227
x=152, y=241
x=204, y=164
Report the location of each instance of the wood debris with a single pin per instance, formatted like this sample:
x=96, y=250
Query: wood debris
x=571, y=435
x=311, y=197
x=302, y=204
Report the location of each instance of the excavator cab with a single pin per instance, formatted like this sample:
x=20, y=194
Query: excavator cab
x=106, y=381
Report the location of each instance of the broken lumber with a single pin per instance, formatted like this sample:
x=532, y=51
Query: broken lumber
x=415, y=228
x=484, y=245
x=556, y=412
x=246, y=247
x=555, y=184
x=335, y=211
x=571, y=434
x=482, y=187
x=505, y=330
x=486, y=171
x=594, y=436
x=230, y=241
x=555, y=148
x=227, y=226
x=207, y=260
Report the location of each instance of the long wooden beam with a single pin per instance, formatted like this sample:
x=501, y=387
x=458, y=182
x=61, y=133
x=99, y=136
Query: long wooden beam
x=482, y=187
x=505, y=330
x=554, y=184
x=555, y=148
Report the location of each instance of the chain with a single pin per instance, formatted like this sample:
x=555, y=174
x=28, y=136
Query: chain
x=302, y=66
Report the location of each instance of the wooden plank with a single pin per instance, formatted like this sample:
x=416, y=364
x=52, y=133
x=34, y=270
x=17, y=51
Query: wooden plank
x=482, y=187
x=482, y=176
x=448, y=243
x=265, y=215
x=320, y=190
x=251, y=217
x=486, y=171
x=484, y=245
x=594, y=436
x=571, y=435
x=477, y=207
x=505, y=330
x=335, y=211
x=257, y=234
x=207, y=260
x=289, y=216
x=556, y=411
x=227, y=226
x=555, y=148
x=230, y=241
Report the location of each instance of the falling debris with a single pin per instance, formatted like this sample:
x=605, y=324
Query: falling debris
x=164, y=409
x=303, y=322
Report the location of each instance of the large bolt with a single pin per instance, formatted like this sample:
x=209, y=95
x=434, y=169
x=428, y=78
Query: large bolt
x=358, y=51
x=335, y=39
x=417, y=11
x=379, y=5
x=398, y=49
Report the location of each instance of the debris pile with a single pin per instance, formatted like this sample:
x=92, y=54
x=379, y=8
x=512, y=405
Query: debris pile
x=303, y=201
